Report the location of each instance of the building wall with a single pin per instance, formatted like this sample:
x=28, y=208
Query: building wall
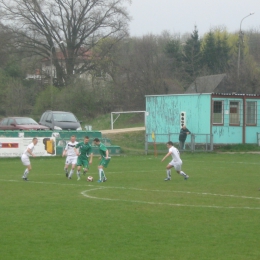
x=251, y=134
x=251, y=131
x=224, y=134
x=164, y=115
x=164, y=118
x=227, y=134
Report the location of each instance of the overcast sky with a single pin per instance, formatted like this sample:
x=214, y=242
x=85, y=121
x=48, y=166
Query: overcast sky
x=180, y=16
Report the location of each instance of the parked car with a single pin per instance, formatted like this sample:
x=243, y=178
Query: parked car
x=20, y=123
x=60, y=120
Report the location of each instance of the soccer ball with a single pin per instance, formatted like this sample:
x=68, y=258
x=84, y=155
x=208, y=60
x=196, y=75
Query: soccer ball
x=90, y=178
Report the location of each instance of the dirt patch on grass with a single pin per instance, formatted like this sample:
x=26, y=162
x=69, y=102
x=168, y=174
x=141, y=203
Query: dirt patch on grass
x=123, y=130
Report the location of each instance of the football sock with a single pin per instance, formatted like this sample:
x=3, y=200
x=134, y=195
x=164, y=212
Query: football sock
x=66, y=170
x=25, y=174
x=71, y=172
x=78, y=173
x=168, y=172
x=183, y=173
x=101, y=174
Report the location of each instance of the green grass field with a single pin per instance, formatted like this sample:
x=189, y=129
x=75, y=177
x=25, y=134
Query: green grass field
x=135, y=214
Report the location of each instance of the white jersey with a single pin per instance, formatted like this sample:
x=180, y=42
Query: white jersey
x=70, y=149
x=31, y=147
x=175, y=155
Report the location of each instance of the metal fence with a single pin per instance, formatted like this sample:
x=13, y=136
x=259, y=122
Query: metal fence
x=194, y=142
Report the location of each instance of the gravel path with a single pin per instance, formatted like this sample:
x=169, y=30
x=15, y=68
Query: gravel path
x=114, y=131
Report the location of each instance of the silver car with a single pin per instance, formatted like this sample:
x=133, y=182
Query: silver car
x=60, y=120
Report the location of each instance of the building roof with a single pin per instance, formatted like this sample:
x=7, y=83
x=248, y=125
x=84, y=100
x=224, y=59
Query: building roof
x=235, y=94
x=206, y=84
x=213, y=94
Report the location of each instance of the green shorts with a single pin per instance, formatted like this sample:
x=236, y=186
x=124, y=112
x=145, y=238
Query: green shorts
x=83, y=162
x=104, y=162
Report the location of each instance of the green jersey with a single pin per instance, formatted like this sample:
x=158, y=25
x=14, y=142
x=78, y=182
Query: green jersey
x=102, y=150
x=84, y=149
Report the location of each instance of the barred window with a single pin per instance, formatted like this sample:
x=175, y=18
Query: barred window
x=251, y=112
x=218, y=112
x=234, y=116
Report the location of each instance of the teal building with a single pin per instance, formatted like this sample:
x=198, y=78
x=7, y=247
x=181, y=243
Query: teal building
x=228, y=118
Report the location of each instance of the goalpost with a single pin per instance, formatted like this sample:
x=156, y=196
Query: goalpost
x=125, y=112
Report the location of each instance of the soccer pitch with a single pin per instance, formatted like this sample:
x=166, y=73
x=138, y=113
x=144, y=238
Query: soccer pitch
x=135, y=214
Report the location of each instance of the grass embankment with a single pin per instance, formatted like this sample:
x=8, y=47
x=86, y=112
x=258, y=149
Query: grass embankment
x=134, y=143
x=130, y=142
x=103, y=122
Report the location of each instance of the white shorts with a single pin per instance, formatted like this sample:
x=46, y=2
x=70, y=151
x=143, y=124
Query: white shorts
x=71, y=160
x=25, y=160
x=177, y=166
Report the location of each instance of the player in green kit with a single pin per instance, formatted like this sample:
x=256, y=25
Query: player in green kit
x=85, y=155
x=105, y=159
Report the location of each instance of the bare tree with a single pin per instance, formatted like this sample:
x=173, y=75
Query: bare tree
x=139, y=67
x=72, y=26
x=5, y=40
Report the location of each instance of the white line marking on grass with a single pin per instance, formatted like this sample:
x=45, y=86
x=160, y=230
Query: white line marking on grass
x=93, y=174
x=49, y=183
x=187, y=192
x=192, y=192
x=216, y=162
x=137, y=189
x=85, y=194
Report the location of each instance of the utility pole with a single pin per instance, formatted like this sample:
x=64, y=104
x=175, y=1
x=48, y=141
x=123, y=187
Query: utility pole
x=240, y=38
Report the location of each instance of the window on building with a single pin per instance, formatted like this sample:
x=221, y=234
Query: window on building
x=218, y=112
x=251, y=113
x=234, y=116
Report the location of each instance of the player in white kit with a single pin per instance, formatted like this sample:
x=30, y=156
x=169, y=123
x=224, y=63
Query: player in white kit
x=176, y=162
x=71, y=156
x=25, y=158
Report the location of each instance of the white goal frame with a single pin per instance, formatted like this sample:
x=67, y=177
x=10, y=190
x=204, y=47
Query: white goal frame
x=125, y=112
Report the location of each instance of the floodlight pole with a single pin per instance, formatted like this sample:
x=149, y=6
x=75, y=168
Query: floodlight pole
x=239, y=44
